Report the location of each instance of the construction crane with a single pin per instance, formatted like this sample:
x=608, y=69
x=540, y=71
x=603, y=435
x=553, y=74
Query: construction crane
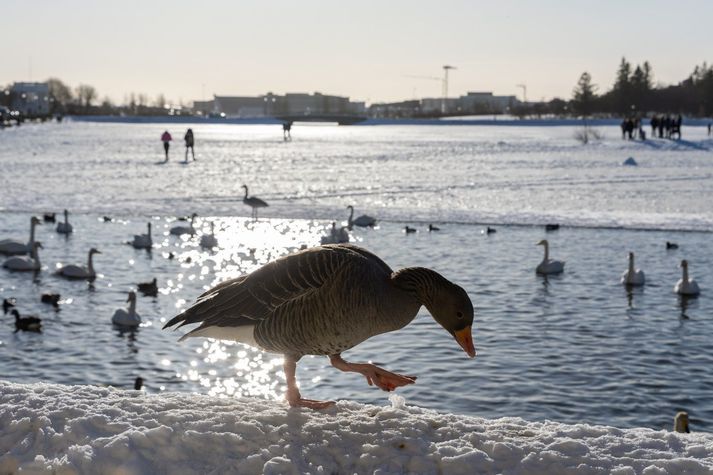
x=524, y=92
x=444, y=84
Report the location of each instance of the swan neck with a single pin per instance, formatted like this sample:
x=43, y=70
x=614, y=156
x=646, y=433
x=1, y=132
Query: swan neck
x=685, y=273
x=35, y=254
x=246, y=193
x=631, y=264
x=132, y=306
x=32, y=232
x=66, y=217
x=351, y=215
x=547, y=251
x=149, y=228
x=90, y=265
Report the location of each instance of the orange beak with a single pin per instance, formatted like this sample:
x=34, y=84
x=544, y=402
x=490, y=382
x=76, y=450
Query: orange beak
x=465, y=340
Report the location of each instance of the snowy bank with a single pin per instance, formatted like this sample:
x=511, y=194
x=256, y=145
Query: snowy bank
x=87, y=429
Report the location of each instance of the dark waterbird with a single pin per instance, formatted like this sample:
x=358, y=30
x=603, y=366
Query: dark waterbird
x=138, y=383
x=552, y=227
x=148, y=288
x=324, y=301
x=49, y=217
x=409, y=230
x=671, y=245
x=7, y=304
x=490, y=230
x=52, y=299
x=432, y=228
x=32, y=324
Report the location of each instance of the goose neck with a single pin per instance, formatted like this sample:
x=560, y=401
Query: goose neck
x=420, y=282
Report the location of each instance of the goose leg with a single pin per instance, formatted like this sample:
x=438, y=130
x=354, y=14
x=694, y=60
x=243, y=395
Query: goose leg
x=294, y=399
x=374, y=375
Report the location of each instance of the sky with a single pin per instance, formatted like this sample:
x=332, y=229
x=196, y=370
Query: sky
x=365, y=49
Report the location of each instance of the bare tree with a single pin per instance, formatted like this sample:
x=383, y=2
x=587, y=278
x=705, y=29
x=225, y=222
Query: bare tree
x=86, y=94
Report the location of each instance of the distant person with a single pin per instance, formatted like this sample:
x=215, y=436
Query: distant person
x=189, y=144
x=661, y=125
x=286, y=127
x=654, y=125
x=166, y=139
x=710, y=126
x=623, y=129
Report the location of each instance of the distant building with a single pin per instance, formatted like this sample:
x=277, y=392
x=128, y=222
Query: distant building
x=271, y=105
x=32, y=99
x=410, y=108
x=486, y=103
x=435, y=106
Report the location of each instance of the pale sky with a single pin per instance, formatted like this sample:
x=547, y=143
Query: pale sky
x=362, y=49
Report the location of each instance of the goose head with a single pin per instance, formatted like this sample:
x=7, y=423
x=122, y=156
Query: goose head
x=453, y=310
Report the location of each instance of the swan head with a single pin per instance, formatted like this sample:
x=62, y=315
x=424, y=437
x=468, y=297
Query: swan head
x=34, y=220
x=684, y=264
x=93, y=251
x=66, y=213
x=244, y=186
x=350, y=207
x=631, y=256
x=131, y=297
x=453, y=310
x=543, y=243
x=149, y=227
x=37, y=245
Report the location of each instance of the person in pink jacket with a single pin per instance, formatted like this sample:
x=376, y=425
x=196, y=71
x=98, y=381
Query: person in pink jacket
x=166, y=139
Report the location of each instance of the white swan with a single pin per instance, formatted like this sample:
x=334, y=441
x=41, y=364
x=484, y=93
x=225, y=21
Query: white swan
x=65, y=228
x=179, y=230
x=335, y=236
x=686, y=286
x=633, y=277
x=25, y=263
x=549, y=266
x=127, y=317
x=363, y=221
x=78, y=272
x=143, y=241
x=209, y=241
x=14, y=247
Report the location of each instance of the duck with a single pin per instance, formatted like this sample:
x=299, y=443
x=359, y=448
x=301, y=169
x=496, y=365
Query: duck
x=551, y=227
x=180, y=230
x=25, y=263
x=14, y=247
x=138, y=383
x=49, y=217
x=209, y=241
x=254, y=202
x=31, y=323
x=7, y=304
x=127, y=317
x=65, y=227
x=680, y=422
x=671, y=245
x=143, y=241
x=324, y=301
x=432, y=228
x=634, y=278
x=107, y=219
x=549, y=266
x=72, y=271
x=489, y=230
x=363, y=221
x=149, y=288
x=335, y=236
x=52, y=299
x=686, y=286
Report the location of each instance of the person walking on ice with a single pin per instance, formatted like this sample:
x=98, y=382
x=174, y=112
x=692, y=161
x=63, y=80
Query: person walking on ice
x=166, y=139
x=189, y=144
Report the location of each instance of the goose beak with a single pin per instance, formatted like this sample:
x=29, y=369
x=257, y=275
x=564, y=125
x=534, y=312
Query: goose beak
x=464, y=338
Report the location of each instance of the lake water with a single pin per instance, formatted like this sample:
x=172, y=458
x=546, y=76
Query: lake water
x=573, y=348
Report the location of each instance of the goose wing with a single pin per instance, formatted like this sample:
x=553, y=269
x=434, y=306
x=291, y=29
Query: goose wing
x=247, y=299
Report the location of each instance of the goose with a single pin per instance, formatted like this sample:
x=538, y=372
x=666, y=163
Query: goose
x=65, y=228
x=127, y=317
x=49, y=217
x=180, y=230
x=686, y=286
x=209, y=241
x=149, y=288
x=680, y=422
x=671, y=245
x=143, y=241
x=25, y=263
x=254, y=202
x=409, y=229
x=633, y=277
x=432, y=228
x=7, y=304
x=336, y=236
x=363, y=221
x=14, y=247
x=72, y=271
x=52, y=299
x=549, y=266
x=32, y=324
x=323, y=301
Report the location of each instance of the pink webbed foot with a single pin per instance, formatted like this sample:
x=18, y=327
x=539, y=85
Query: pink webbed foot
x=294, y=399
x=385, y=380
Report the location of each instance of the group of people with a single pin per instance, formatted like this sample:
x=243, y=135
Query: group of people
x=188, y=138
x=664, y=126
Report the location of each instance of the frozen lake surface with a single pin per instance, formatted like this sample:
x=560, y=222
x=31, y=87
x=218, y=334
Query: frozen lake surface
x=574, y=348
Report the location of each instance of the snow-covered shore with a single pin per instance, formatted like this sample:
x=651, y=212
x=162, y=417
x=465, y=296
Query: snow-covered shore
x=88, y=429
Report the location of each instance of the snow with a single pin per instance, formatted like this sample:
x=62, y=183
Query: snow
x=89, y=429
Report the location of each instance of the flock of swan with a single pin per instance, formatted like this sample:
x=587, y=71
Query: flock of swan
x=631, y=277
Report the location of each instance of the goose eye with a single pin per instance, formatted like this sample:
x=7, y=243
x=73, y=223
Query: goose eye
x=459, y=315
